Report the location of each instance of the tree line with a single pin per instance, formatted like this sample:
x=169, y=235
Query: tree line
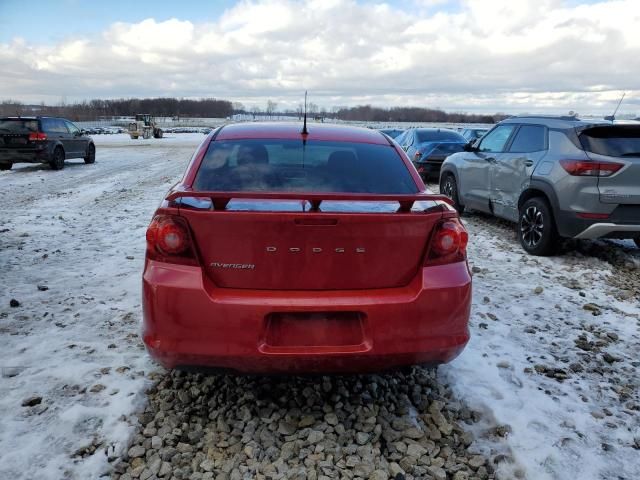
x=216, y=108
x=124, y=107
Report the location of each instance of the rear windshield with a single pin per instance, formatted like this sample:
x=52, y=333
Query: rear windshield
x=18, y=125
x=435, y=136
x=291, y=166
x=612, y=141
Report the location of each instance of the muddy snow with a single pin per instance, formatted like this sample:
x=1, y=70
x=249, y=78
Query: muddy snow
x=546, y=389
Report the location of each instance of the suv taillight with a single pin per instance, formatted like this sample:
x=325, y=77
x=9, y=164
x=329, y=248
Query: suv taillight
x=37, y=137
x=169, y=240
x=448, y=243
x=587, y=168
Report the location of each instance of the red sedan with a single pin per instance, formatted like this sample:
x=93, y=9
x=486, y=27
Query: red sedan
x=290, y=252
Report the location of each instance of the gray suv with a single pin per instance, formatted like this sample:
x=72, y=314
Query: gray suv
x=554, y=176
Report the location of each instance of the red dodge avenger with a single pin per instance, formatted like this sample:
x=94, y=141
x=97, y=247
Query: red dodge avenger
x=284, y=250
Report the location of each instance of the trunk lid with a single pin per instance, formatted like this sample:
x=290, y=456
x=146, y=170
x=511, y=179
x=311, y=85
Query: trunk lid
x=281, y=245
x=618, y=144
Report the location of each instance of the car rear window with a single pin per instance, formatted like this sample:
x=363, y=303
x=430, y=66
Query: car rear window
x=612, y=141
x=291, y=166
x=435, y=136
x=18, y=125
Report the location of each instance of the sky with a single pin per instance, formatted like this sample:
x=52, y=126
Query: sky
x=512, y=56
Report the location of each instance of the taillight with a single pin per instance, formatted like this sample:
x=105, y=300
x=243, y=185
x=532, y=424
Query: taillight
x=448, y=243
x=586, y=168
x=169, y=240
x=37, y=137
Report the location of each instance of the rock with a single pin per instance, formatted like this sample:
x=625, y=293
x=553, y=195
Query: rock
x=287, y=428
x=331, y=419
x=476, y=269
x=31, y=401
x=306, y=421
x=461, y=475
x=538, y=290
x=42, y=288
x=416, y=450
x=156, y=442
x=315, y=436
x=607, y=357
x=437, y=473
x=362, y=438
x=136, y=451
x=379, y=475
x=13, y=303
x=476, y=461
x=184, y=448
x=98, y=387
x=395, y=469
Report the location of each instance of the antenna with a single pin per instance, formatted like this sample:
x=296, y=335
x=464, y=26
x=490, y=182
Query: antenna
x=304, y=126
x=613, y=117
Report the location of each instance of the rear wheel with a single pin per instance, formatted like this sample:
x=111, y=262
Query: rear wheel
x=91, y=154
x=536, y=228
x=6, y=166
x=449, y=187
x=57, y=161
x=157, y=133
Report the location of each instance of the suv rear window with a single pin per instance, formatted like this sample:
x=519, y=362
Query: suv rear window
x=18, y=125
x=613, y=141
x=290, y=166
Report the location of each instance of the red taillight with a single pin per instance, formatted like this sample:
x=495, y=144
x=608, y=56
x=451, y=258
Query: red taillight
x=586, y=168
x=448, y=243
x=37, y=137
x=169, y=240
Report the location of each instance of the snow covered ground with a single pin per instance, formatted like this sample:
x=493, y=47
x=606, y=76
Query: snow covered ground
x=552, y=364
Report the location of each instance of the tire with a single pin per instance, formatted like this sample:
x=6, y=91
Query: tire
x=57, y=162
x=6, y=166
x=91, y=154
x=537, y=230
x=157, y=133
x=449, y=187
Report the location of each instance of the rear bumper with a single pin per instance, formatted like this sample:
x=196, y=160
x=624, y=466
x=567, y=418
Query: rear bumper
x=623, y=221
x=190, y=323
x=16, y=155
x=430, y=167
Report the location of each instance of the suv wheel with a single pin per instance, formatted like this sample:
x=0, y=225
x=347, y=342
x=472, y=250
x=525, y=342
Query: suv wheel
x=6, y=166
x=91, y=154
x=57, y=162
x=536, y=228
x=449, y=187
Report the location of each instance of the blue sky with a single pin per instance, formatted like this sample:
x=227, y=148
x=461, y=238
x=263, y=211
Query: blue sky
x=50, y=21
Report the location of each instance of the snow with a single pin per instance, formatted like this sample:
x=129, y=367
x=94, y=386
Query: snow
x=554, y=433
x=80, y=232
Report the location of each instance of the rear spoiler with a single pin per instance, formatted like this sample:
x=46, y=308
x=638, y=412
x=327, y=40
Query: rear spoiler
x=221, y=199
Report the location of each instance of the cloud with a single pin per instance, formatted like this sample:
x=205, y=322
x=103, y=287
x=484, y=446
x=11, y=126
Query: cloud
x=483, y=55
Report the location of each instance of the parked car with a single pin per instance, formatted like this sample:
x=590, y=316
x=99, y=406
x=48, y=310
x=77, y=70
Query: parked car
x=555, y=176
x=288, y=252
x=472, y=134
x=49, y=140
x=392, y=132
x=428, y=147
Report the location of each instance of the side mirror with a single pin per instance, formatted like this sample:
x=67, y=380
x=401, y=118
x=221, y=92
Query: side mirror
x=470, y=147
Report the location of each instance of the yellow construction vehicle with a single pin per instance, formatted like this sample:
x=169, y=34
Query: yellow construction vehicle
x=144, y=127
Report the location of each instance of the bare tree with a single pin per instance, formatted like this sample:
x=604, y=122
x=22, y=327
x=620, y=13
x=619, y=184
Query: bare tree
x=271, y=108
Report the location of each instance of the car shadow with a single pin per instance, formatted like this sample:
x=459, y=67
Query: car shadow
x=368, y=421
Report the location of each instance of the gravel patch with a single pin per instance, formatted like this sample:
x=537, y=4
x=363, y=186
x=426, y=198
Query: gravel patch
x=401, y=425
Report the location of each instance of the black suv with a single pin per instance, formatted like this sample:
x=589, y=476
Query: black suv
x=42, y=140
